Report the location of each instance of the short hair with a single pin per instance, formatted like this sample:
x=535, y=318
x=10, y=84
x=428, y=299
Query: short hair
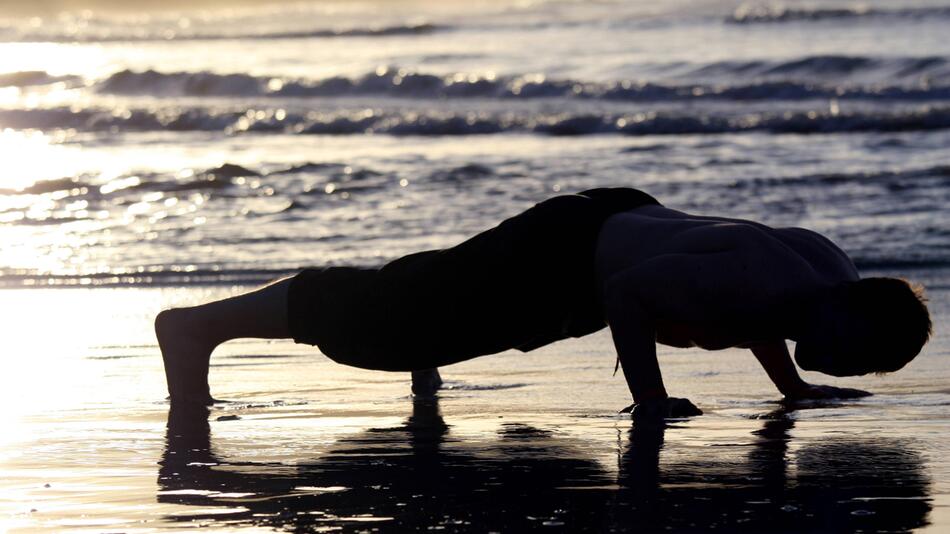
x=893, y=314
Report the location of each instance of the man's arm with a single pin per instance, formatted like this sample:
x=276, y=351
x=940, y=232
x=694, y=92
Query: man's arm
x=778, y=364
x=635, y=340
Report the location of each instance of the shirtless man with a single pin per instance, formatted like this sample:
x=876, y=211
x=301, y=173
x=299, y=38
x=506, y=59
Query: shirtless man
x=565, y=268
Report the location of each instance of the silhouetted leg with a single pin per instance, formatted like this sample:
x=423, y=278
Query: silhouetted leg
x=187, y=336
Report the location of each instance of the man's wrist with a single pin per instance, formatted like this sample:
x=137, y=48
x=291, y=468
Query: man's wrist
x=650, y=395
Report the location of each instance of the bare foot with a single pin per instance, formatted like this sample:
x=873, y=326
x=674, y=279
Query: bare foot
x=186, y=354
x=426, y=382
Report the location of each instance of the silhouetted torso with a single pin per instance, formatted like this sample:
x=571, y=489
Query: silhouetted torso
x=729, y=278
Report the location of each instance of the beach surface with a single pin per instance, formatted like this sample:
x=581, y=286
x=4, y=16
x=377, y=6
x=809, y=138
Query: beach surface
x=515, y=441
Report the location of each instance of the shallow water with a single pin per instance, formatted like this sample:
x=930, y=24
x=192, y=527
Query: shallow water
x=516, y=441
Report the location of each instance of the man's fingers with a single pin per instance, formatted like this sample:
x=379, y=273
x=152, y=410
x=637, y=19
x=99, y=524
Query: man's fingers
x=683, y=408
x=692, y=410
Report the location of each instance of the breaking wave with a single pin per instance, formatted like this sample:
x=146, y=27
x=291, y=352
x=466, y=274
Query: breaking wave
x=772, y=13
x=810, y=77
x=889, y=69
x=121, y=33
x=435, y=123
x=376, y=31
x=917, y=79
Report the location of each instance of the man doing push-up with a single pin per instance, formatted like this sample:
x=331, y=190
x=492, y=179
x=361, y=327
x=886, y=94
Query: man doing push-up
x=568, y=267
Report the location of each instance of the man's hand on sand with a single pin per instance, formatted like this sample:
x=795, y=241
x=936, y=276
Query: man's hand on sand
x=813, y=391
x=655, y=409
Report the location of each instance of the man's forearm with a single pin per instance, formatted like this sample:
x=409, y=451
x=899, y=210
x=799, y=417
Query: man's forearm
x=635, y=341
x=778, y=364
x=643, y=379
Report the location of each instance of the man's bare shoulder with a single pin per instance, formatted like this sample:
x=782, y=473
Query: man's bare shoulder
x=641, y=236
x=826, y=257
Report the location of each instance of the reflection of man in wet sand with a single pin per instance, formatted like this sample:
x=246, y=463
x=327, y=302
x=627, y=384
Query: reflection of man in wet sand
x=515, y=477
x=568, y=267
x=413, y=477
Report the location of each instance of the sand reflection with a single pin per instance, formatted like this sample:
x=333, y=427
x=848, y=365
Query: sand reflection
x=837, y=485
x=418, y=476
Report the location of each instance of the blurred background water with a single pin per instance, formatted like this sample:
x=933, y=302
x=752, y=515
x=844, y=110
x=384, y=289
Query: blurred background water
x=234, y=144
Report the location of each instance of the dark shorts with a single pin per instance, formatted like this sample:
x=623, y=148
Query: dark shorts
x=523, y=284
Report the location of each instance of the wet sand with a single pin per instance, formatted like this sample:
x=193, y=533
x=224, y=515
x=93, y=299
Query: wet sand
x=516, y=442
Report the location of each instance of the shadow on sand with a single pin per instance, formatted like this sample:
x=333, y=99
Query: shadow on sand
x=417, y=477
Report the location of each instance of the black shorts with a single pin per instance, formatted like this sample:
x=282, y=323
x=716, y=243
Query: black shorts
x=527, y=282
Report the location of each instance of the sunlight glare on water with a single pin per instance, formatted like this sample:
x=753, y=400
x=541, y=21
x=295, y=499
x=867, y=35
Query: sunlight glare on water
x=68, y=328
x=29, y=156
x=54, y=58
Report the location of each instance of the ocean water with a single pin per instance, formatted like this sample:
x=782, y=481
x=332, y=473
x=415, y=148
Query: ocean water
x=233, y=145
x=161, y=158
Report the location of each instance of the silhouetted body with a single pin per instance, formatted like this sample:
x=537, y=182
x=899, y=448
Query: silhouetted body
x=568, y=267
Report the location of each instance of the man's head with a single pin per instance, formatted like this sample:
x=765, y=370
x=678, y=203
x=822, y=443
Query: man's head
x=874, y=325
